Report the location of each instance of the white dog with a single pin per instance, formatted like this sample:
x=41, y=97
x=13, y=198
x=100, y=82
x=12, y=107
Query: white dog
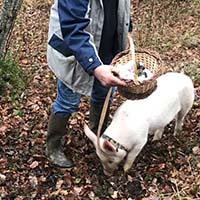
x=134, y=119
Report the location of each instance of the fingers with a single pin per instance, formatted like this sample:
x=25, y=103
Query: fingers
x=105, y=75
x=115, y=70
x=114, y=79
x=117, y=82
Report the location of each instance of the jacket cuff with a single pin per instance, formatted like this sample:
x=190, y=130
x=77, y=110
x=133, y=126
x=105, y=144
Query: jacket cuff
x=90, y=63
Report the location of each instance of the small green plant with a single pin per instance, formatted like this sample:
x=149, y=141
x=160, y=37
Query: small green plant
x=11, y=77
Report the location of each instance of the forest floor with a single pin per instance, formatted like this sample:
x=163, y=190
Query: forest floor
x=168, y=169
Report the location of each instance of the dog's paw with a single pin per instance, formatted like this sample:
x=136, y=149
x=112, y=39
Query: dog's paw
x=127, y=166
x=158, y=135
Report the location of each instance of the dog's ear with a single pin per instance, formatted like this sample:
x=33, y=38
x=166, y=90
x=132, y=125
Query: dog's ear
x=108, y=146
x=90, y=135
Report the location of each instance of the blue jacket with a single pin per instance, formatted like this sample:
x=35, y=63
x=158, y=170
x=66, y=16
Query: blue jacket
x=74, y=37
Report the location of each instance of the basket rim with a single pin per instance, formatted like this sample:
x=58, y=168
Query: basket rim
x=150, y=53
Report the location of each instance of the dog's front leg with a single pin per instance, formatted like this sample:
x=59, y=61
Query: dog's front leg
x=158, y=134
x=133, y=154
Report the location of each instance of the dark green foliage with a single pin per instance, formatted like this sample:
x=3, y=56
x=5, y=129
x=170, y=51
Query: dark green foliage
x=11, y=77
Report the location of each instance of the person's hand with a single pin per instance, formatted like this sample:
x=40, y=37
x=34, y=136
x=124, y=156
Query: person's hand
x=104, y=73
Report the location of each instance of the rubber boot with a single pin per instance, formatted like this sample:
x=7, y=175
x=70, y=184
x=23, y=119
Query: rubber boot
x=94, y=117
x=56, y=131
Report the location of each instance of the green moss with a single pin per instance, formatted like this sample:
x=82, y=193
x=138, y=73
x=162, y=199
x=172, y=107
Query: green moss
x=11, y=77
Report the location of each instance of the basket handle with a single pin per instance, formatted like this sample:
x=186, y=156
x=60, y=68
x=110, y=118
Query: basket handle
x=132, y=50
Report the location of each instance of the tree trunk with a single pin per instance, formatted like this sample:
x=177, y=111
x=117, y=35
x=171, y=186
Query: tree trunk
x=8, y=15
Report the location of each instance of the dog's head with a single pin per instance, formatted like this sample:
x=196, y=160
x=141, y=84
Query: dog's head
x=109, y=155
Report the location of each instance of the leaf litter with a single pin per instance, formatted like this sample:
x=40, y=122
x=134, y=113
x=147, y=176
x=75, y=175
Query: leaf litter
x=168, y=169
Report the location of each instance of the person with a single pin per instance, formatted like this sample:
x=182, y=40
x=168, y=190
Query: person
x=83, y=38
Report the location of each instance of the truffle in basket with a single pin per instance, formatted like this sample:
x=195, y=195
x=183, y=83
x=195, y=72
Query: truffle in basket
x=126, y=71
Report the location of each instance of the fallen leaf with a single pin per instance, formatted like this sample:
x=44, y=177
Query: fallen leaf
x=33, y=181
x=34, y=164
x=59, y=184
x=196, y=150
x=115, y=195
x=77, y=190
x=3, y=129
x=2, y=178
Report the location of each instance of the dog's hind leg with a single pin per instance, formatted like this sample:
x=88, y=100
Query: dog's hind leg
x=179, y=121
x=185, y=108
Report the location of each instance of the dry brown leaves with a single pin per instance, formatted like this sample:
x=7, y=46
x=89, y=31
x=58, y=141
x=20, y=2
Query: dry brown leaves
x=168, y=169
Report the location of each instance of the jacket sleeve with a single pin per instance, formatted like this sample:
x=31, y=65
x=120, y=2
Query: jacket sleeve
x=73, y=22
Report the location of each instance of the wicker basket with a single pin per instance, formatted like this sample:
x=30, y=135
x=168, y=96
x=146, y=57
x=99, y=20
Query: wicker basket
x=152, y=62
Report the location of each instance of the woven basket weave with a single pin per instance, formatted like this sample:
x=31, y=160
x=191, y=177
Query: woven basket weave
x=152, y=62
